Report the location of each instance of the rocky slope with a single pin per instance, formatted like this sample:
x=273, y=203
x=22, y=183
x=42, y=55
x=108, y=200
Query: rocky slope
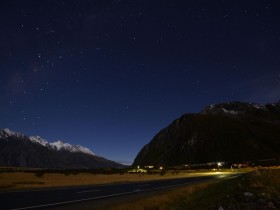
x=19, y=150
x=230, y=132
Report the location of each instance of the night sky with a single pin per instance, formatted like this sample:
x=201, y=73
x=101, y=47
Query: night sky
x=109, y=75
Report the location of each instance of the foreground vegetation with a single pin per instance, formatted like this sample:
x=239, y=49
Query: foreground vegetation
x=18, y=179
x=259, y=189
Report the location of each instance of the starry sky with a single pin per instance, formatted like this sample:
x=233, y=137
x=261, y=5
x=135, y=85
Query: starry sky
x=109, y=74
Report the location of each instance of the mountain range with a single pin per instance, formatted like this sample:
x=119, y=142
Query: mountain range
x=227, y=132
x=19, y=150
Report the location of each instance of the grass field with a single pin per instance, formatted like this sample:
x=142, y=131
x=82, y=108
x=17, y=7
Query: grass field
x=258, y=189
x=28, y=180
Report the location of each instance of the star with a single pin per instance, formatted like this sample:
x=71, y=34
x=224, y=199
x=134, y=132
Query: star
x=117, y=62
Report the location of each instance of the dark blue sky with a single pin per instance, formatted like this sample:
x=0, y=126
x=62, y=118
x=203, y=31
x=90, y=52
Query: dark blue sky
x=110, y=74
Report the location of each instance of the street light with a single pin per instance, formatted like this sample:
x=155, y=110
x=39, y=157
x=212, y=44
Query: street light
x=219, y=164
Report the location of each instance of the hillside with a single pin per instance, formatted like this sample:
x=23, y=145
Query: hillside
x=228, y=132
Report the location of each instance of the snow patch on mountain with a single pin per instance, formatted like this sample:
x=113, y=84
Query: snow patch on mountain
x=7, y=132
x=39, y=140
x=60, y=145
x=229, y=111
x=84, y=149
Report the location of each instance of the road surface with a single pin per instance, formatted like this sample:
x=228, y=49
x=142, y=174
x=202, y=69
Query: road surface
x=67, y=196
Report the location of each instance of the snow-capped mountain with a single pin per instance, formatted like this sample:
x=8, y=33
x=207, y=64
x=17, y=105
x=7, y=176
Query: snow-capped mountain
x=60, y=145
x=19, y=150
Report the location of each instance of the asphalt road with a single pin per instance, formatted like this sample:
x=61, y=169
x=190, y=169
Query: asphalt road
x=53, y=198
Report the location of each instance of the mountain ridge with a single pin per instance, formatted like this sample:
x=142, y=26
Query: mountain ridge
x=20, y=150
x=57, y=145
x=234, y=131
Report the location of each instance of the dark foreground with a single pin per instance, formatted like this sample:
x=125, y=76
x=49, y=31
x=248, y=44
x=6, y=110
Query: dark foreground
x=65, y=197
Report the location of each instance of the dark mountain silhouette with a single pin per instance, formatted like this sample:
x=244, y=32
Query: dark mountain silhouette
x=230, y=132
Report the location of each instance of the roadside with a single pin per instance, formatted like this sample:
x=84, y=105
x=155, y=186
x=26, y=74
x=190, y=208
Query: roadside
x=142, y=200
x=11, y=181
x=259, y=189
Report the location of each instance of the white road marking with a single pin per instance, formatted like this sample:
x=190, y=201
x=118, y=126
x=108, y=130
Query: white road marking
x=143, y=185
x=87, y=191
